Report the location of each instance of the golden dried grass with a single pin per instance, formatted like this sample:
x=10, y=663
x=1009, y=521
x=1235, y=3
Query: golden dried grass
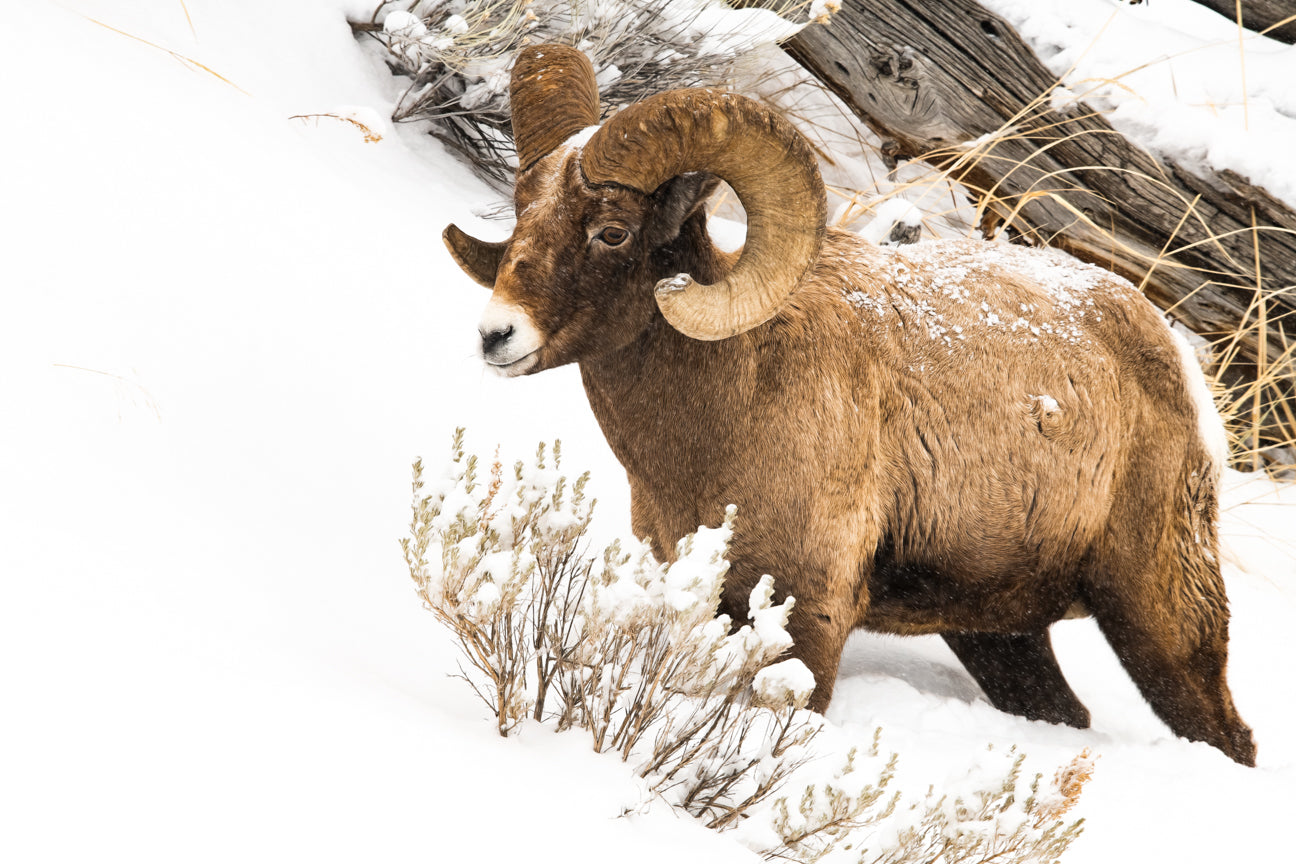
x=370, y=135
x=184, y=60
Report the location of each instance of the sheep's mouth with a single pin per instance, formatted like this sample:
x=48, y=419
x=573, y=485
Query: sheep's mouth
x=513, y=368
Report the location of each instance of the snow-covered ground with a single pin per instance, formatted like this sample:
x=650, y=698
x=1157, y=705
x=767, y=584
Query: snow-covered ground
x=224, y=336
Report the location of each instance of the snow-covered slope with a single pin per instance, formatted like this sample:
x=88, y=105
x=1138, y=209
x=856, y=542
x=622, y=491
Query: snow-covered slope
x=224, y=336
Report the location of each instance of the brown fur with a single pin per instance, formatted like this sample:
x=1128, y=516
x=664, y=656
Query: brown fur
x=905, y=453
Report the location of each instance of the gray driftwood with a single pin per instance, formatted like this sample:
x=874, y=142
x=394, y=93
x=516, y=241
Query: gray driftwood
x=928, y=75
x=1260, y=15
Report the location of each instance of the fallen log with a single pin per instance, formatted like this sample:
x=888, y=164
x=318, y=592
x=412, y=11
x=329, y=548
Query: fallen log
x=1274, y=18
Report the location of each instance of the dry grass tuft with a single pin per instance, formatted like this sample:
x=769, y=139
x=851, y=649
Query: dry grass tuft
x=127, y=391
x=186, y=61
x=370, y=136
x=1256, y=399
x=188, y=19
x=1068, y=783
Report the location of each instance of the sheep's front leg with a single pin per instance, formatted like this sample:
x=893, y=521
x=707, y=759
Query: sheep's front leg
x=819, y=631
x=820, y=622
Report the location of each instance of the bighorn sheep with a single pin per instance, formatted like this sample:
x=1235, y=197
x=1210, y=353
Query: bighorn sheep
x=958, y=438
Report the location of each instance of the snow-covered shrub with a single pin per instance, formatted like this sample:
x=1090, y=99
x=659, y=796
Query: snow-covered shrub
x=478, y=551
x=621, y=645
x=632, y=651
x=992, y=814
x=459, y=54
x=996, y=822
x=660, y=678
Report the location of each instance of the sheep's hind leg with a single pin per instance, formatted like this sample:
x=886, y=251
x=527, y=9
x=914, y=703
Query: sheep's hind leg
x=1019, y=674
x=1174, y=644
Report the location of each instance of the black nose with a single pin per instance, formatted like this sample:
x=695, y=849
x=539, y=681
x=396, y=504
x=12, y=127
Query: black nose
x=494, y=338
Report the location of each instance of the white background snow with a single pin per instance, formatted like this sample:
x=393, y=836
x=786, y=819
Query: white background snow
x=224, y=336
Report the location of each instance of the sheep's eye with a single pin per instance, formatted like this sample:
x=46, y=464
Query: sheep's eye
x=614, y=236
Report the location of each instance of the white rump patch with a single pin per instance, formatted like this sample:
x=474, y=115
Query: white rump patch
x=1209, y=424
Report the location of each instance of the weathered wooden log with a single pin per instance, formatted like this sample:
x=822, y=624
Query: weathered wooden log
x=931, y=77
x=1268, y=16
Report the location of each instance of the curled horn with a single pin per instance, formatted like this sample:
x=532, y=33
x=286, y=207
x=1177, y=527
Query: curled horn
x=553, y=96
x=480, y=259
x=770, y=167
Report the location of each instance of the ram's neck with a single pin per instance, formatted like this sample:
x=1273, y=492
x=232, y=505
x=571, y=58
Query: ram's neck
x=659, y=345
x=673, y=411
x=668, y=404
x=698, y=425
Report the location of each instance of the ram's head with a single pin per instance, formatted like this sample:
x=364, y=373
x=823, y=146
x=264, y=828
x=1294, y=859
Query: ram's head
x=598, y=247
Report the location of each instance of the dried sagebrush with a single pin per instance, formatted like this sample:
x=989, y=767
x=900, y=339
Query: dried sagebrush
x=634, y=652
x=459, y=53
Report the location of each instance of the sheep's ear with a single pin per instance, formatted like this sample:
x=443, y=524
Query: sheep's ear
x=477, y=258
x=675, y=202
